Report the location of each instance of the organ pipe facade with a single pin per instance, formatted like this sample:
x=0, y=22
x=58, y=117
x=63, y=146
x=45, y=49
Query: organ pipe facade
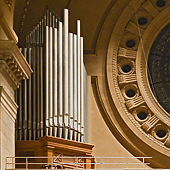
x=52, y=102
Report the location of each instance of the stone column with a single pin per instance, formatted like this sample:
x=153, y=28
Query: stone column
x=13, y=68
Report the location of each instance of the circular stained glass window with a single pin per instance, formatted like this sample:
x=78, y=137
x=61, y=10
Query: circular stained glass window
x=159, y=68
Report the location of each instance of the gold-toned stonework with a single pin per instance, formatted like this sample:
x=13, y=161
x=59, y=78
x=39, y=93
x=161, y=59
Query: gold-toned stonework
x=9, y=3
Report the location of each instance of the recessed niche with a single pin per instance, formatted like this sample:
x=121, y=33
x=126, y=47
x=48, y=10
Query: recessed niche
x=130, y=43
x=130, y=93
x=161, y=3
x=161, y=133
x=126, y=68
x=142, y=21
x=142, y=115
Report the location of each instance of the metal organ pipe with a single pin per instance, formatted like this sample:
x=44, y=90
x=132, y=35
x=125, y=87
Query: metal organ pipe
x=34, y=86
x=75, y=85
x=71, y=82
x=50, y=77
x=55, y=87
x=47, y=78
x=82, y=88
x=38, y=80
x=29, y=99
x=41, y=76
x=78, y=79
x=52, y=101
x=65, y=64
x=25, y=101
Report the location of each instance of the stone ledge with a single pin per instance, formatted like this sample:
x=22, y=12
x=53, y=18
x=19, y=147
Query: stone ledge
x=9, y=32
x=16, y=67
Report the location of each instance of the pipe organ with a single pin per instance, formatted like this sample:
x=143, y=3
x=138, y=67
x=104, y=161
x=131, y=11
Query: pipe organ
x=52, y=102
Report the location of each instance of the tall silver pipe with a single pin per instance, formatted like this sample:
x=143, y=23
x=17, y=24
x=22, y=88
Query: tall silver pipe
x=50, y=62
x=42, y=75
x=47, y=78
x=82, y=88
x=34, y=87
x=71, y=98
x=20, y=113
x=60, y=71
x=25, y=101
x=38, y=80
x=55, y=87
x=78, y=80
x=65, y=65
x=75, y=86
x=29, y=99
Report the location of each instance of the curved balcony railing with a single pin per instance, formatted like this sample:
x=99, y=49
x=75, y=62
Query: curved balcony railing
x=77, y=162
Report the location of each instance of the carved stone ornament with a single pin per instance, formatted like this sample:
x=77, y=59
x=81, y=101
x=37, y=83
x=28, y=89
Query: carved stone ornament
x=127, y=91
x=9, y=3
x=13, y=65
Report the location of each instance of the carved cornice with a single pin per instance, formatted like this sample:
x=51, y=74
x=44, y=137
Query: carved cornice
x=64, y=144
x=13, y=65
x=10, y=33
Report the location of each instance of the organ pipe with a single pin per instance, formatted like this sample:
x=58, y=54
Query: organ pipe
x=75, y=86
x=82, y=88
x=71, y=81
x=52, y=101
x=78, y=79
x=55, y=86
x=65, y=64
x=60, y=72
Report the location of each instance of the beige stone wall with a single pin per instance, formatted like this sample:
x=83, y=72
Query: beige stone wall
x=7, y=136
x=6, y=86
x=98, y=134
x=8, y=110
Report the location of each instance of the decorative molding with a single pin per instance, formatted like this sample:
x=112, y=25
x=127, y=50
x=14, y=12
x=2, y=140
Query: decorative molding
x=161, y=21
x=130, y=104
x=131, y=27
x=150, y=8
x=134, y=102
x=58, y=157
x=150, y=123
x=13, y=63
x=9, y=3
x=167, y=142
x=123, y=52
x=8, y=104
x=126, y=107
x=125, y=79
x=25, y=9
x=9, y=75
x=10, y=33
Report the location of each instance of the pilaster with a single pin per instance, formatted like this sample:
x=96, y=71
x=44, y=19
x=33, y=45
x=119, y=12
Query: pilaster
x=13, y=68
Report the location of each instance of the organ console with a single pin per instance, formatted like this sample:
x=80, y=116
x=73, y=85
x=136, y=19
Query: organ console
x=52, y=102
